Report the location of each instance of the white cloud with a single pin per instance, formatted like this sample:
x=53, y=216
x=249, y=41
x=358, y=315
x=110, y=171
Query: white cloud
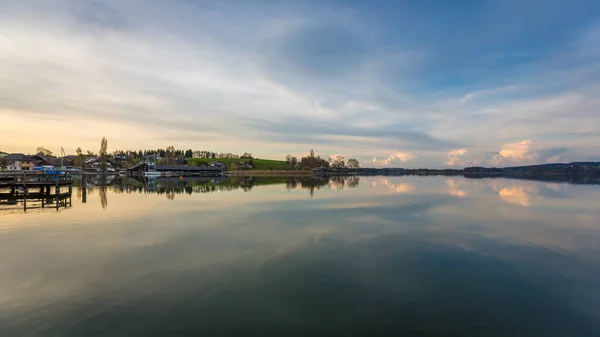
x=455, y=157
x=397, y=157
x=478, y=93
x=183, y=74
x=515, y=153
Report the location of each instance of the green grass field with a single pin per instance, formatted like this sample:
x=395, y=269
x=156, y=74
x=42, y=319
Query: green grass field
x=259, y=164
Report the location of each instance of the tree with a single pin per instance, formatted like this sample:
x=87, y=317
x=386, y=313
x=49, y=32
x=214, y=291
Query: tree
x=189, y=153
x=293, y=161
x=288, y=159
x=353, y=163
x=79, y=159
x=103, y=153
x=170, y=155
x=44, y=151
x=233, y=167
x=338, y=162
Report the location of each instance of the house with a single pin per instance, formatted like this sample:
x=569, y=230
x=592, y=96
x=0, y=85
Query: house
x=95, y=163
x=21, y=162
x=119, y=157
x=63, y=161
x=244, y=166
x=216, y=164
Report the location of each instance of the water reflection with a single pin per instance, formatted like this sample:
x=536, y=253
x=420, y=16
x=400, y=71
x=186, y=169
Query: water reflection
x=453, y=188
x=515, y=195
x=401, y=187
x=173, y=186
x=410, y=256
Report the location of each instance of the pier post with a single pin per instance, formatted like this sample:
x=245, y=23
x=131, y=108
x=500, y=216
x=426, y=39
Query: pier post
x=25, y=193
x=83, y=189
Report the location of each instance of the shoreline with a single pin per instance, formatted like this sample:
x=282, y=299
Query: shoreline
x=266, y=173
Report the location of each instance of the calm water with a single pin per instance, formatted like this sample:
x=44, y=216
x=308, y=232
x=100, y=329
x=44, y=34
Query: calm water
x=410, y=256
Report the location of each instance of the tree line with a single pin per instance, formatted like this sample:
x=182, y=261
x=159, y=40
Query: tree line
x=311, y=161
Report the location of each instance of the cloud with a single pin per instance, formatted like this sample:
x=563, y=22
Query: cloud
x=557, y=159
x=515, y=153
x=398, y=157
x=455, y=157
x=487, y=92
x=235, y=77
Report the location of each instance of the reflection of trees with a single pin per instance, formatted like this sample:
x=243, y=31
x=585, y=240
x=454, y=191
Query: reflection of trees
x=353, y=181
x=306, y=183
x=337, y=183
x=103, y=199
x=173, y=186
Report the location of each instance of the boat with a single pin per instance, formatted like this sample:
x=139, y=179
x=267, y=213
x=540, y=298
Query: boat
x=47, y=169
x=151, y=170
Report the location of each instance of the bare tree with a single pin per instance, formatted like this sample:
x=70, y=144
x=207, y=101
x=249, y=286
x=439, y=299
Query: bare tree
x=338, y=162
x=353, y=163
x=44, y=151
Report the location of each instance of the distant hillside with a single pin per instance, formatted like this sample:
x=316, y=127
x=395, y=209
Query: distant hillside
x=258, y=164
x=575, y=168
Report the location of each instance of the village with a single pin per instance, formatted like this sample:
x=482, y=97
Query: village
x=113, y=164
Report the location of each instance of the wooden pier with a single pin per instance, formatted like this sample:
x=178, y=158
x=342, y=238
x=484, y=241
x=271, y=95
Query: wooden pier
x=33, y=188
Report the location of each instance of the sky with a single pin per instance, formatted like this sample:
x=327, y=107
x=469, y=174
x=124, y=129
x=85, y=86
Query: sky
x=392, y=83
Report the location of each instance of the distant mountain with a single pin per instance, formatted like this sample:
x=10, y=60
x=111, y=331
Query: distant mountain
x=575, y=168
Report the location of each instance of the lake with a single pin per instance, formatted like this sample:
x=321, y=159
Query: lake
x=353, y=256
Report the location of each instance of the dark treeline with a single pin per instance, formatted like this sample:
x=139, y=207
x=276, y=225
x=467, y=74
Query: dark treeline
x=570, y=169
x=171, y=187
x=308, y=162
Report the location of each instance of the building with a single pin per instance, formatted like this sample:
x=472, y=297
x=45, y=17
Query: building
x=217, y=164
x=21, y=162
x=244, y=166
x=95, y=164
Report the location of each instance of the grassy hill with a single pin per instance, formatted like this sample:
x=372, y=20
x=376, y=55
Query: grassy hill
x=259, y=164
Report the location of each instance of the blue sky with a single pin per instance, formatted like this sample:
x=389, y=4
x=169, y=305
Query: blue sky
x=392, y=83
